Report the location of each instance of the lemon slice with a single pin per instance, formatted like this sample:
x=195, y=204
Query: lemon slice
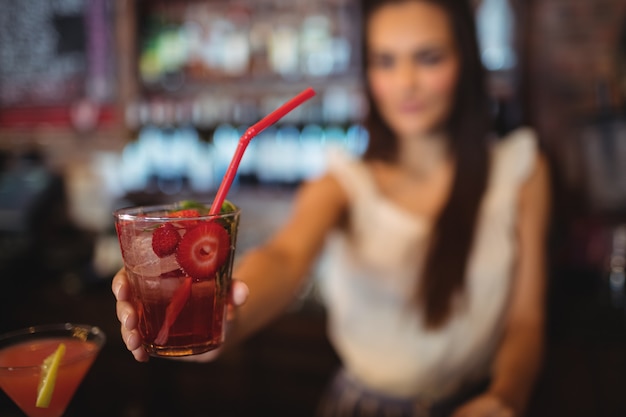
x=49, y=371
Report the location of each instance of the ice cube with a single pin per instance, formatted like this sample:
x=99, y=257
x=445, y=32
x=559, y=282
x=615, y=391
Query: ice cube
x=155, y=266
x=141, y=259
x=138, y=250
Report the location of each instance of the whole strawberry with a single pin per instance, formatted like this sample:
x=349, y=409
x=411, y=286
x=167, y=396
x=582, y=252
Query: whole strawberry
x=165, y=240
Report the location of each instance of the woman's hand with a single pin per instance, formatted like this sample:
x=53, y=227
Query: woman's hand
x=127, y=315
x=485, y=405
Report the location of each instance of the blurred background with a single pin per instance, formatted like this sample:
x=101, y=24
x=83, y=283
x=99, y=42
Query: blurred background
x=109, y=103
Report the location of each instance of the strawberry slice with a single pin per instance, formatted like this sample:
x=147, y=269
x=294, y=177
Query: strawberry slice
x=203, y=249
x=165, y=240
x=185, y=213
x=179, y=299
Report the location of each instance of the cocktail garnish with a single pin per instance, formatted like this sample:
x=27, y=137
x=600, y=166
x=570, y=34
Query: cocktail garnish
x=192, y=204
x=49, y=371
x=203, y=249
x=172, y=311
x=165, y=240
x=189, y=206
x=184, y=213
x=227, y=207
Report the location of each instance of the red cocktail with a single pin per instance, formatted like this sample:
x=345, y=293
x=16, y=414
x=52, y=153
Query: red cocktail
x=23, y=352
x=179, y=261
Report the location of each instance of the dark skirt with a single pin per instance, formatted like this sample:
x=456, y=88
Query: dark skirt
x=346, y=397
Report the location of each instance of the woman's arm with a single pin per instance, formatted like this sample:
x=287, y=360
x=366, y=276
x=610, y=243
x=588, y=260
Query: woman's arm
x=276, y=271
x=518, y=359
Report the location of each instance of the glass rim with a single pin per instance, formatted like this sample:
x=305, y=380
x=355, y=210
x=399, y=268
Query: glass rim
x=40, y=331
x=142, y=213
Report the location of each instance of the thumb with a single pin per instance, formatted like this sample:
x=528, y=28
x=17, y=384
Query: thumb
x=239, y=293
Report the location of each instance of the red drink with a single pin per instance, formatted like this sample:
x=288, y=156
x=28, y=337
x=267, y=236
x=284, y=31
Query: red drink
x=179, y=266
x=198, y=328
x=22, y=354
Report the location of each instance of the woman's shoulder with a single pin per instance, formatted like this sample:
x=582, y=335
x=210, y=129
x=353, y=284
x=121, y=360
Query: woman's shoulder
x=522, y=139
x=350, y=172
x=325, y=184
x=515, y=155
x=320, y=198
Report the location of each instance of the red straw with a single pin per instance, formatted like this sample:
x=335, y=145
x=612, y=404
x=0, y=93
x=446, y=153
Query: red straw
x=180, y=297
x=252, y=131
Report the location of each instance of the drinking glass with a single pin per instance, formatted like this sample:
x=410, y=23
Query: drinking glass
x=179, y=264
x=22, y=355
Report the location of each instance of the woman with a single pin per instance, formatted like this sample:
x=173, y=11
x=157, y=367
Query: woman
x=434, y=273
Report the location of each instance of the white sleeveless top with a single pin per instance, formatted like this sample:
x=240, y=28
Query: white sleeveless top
x=369, y=272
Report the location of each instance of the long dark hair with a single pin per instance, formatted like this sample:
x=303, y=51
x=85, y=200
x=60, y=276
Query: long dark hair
x=468, y=129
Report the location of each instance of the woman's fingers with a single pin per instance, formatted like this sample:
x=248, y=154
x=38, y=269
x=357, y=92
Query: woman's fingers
x=128, y=328
x=132, y=340
x=126, y=315
x=120, y=287
x=239, y=293
x=140, y=354
x=202, y=357
x=128, y=318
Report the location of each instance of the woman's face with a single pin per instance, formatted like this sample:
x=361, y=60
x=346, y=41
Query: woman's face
x=413, y=66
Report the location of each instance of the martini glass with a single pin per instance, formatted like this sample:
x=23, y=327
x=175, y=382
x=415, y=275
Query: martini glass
x=22, y=353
